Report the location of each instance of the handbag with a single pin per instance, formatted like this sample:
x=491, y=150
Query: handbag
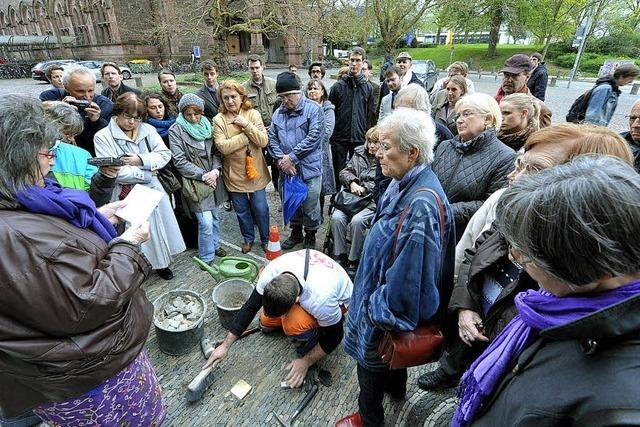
x=195, y=190
x=166, y=176
x=423, y=344
x=350, y=203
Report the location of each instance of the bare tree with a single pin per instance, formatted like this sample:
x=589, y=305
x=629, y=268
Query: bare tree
x=397, y=17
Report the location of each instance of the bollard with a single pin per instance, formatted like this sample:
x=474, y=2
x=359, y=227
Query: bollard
x=634, y=88
x=138, y=81
x=553, y=82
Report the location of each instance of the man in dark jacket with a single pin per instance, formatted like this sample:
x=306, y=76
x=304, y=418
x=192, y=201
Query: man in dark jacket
x=80, y=85
x=633, y=136
x=112, y=76
x=516, y=72
x=209, y=90
x=537, y=83
x=355, y=110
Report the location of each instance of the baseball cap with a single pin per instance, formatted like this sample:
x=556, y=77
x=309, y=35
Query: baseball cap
x=517, y=64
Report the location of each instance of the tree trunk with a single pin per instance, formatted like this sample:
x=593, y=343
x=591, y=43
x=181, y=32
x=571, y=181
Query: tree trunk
x=547, y=43
x=438, y=33
x=220, y=52
x=494, y=32
x=465, y=39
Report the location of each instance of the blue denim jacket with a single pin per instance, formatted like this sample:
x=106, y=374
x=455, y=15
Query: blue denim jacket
x=602, y=105
x=299, y=133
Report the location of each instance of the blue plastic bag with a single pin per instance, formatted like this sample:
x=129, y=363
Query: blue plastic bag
x=295, y=193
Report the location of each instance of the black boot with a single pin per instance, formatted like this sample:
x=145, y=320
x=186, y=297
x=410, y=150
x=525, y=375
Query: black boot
x=310, y=240
x=352, y=269
x=437, y=379
x=343, y=260
x=294, y=238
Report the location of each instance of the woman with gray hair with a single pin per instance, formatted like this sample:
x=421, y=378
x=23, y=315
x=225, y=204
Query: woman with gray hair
x=579, y=331
x=416, y=97
x=407, y=261
x=73, y=318
x=473, y=164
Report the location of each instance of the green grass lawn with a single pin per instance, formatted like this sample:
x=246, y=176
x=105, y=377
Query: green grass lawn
x=191, y=82
x=477, y=55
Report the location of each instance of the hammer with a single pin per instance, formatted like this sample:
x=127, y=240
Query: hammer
x=310, y=394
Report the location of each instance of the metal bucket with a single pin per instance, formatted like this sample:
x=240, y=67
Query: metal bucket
x=179, y=342
x=228, y=297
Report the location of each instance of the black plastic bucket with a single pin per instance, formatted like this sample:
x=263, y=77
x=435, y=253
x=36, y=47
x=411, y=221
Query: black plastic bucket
x=179, y=342
x=228, y=297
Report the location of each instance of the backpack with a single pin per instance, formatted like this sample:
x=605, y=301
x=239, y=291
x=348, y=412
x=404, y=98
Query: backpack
x=579, y=108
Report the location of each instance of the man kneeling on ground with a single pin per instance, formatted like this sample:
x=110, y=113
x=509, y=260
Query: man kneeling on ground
x=305, y=293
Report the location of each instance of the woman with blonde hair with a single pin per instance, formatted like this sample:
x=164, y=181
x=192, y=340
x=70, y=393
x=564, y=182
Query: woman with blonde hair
x=240, y=136
x=473, y=164
x=520, y=118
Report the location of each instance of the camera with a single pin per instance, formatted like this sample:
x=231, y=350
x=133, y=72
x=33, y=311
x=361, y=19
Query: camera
x=81, y=104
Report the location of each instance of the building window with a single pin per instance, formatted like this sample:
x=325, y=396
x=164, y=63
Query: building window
x=105, y=32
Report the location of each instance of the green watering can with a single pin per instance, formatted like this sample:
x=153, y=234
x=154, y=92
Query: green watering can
x=231, y=267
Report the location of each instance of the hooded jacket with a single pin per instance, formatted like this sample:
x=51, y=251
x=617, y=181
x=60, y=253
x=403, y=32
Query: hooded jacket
x=73, y=312
x=355, y=109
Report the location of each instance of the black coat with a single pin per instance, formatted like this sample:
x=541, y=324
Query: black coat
x=211, y=103
x=571, y=373
x=355, y=110
x=106, y=92
x=471, y=171
x=489, y=249
x=635, y=149
x=537, y=83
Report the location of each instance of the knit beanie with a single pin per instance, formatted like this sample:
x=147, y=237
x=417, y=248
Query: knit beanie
x=190, y=99
x=287, y=83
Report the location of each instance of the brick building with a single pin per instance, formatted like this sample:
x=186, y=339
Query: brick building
x=126, y=29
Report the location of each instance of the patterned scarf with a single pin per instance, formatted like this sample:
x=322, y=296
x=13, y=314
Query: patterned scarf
x=517, y=139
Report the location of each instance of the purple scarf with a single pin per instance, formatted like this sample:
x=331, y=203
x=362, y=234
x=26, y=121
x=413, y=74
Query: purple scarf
x=75, y=206
x=537, y=310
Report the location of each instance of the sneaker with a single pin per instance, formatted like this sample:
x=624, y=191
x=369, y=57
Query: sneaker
x=437, y=379
x=352, y=269
x=165, y=273
x=310, y=240
x=227, y=206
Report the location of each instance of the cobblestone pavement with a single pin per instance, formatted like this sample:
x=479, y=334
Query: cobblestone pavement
x=260, y=360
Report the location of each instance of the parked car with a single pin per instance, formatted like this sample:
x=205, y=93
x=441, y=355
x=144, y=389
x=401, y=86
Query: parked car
x=95, y=67
x=38, y=70
x=426, y=72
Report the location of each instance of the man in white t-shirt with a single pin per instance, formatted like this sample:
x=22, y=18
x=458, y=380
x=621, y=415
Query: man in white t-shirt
x=306, y=293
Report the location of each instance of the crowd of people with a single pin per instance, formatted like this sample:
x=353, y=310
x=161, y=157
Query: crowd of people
x=455, y=208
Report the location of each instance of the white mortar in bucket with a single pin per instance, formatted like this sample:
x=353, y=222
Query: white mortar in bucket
x=229, y=296
x=178, y=341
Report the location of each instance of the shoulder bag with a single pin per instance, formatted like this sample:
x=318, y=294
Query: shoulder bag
x=166, y=176
x=424, y=344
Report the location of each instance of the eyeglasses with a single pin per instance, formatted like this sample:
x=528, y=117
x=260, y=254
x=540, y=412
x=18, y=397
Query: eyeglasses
x=466, y=114
x=128, y=116
x=518, y=261
x=49, y=155
x=632, y=118
x=521, y=165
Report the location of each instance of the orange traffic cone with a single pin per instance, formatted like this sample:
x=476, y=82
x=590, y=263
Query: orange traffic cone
x=273, y=247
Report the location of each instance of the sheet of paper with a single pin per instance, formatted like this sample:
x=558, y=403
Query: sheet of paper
x=241, y=389
x=141, y=202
